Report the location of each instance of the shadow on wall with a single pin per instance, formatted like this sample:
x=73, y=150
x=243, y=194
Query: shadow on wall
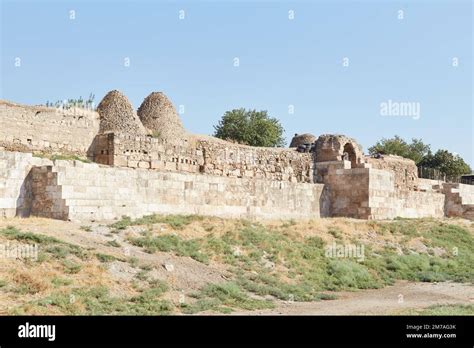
x=24, y=202
x=325, y=202
x=350, y=155
x=91, y=149
x=40, y=195
x=101, y=149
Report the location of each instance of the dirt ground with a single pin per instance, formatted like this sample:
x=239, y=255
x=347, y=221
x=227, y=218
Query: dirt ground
x=386, y=301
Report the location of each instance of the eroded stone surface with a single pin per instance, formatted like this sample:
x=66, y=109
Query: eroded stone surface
x=159, y=115
x=117, y=115
x=171, y=171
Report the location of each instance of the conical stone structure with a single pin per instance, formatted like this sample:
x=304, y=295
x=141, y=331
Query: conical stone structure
x=159, y=116
x=117, y=115
x=301, y=139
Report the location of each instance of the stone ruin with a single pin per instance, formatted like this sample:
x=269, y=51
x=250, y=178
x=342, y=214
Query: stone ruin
x=145, y=162
x=117, y=115
x=331, y=147
x=159, y=116
x=302, y=139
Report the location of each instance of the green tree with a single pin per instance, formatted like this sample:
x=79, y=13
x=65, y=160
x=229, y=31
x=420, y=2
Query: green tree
x=447, y=163
x=250, y=127
x=416, y=150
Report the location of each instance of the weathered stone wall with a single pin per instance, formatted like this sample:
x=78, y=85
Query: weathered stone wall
x=147, y=152
x=387, y=201
x=467, y=193
x=428, y=185
x=227, y=159
x=404, y=169
x=15, y=184
x=46, y=195
x=348, y=190
x=204, y=155
x=334, y=147
x=77, y=190
x=367, y=193
x=48, y=130
x=198, y=174
x=459, y=200
x=93, y=192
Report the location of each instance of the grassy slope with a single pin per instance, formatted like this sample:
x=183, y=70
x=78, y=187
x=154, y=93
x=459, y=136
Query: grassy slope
x=268, y=261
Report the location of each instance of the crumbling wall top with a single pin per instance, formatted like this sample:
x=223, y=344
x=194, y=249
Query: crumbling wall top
x=335, y=147
x=404, y=169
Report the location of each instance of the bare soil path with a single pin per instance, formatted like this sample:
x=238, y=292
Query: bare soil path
x=389, y=300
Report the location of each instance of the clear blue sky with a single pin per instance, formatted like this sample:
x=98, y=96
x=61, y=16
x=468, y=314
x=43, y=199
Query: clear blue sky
x=282, y=62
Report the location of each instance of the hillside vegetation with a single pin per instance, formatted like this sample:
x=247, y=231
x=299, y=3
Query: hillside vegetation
x=193, y=264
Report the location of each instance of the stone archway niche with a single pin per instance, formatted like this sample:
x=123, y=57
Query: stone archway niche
x=349, y=154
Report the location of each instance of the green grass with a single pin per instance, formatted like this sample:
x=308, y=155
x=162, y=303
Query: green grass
x=454, y=309
x=304, y=270
x=71, y=267
x=54, y=157
x=133, y=261
x=113, y=243
x=224, y=298
x=146, y=267
x=171, y=243
x=98, y=301
x=175, y=221
x=142, y=275
x=454, y=265
x=335, y=232
x=58, y=281
x=13, y=233
x=63, y=250
x=50, y=246
x=69, y=158
x=105, y=257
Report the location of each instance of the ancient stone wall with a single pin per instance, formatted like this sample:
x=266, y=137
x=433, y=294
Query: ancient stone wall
x=46, y=195
x=459, y=200
x=227, y=159
x=466, y=192
x=15, y=184
x=428, y=185
x=348, y=190
x=88, y=191
x=367, y=193
x=204, y=155
x=184, y=173
x=48, y=130
x=77, y=190
x=404, y=169
x=388, y=201
x=333, y=147
x=147, y=152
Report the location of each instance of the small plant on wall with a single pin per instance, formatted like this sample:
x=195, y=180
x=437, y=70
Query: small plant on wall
x=74, y=103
